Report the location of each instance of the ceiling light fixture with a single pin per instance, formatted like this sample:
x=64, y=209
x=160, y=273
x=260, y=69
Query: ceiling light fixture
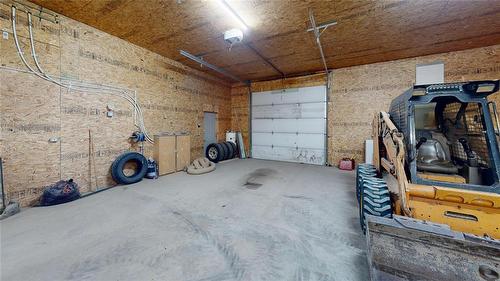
x=225, y=5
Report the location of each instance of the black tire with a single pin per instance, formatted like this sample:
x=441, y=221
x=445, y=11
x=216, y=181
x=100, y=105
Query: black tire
x=222, y=151
x=230, y=154
x=214, y=152
x=363, y=171
x=375, y=200
x=119, y=164
x=235, y=149
x=225, y=148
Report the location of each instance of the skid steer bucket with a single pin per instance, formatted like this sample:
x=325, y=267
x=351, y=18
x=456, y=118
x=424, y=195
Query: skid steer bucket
x=407, y=249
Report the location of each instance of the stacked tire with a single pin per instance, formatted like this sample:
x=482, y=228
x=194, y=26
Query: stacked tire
x=217, y=152
x=372, y=194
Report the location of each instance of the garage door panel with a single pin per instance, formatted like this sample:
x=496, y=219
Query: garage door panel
x=290, y=111
x=290, y=125
x=292, y=140
x=286, y=140
x=313, y=94
x=311, y=141
x=262, y=125
x=310, y=156
x=277, y=97
x=261, y=138
x=262, y=98
x=313, y=110
x=284, y=125
x=311, y=125
x=276, y=111
x=272, y=153
x=299, y=95
x=274, y=139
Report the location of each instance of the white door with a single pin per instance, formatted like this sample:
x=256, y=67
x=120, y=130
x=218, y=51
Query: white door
x=290, y=125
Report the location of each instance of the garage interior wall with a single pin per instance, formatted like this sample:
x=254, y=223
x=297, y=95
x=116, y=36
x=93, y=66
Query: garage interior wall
x=358, y=92
x=173, y=98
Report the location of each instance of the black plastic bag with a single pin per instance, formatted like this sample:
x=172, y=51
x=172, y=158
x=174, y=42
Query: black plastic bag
x=60, y=192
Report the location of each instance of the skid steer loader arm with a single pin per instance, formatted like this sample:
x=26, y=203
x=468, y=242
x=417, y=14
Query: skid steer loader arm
x=405, y=249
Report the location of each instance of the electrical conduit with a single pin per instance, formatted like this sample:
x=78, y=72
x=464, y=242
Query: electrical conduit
x=78, y=86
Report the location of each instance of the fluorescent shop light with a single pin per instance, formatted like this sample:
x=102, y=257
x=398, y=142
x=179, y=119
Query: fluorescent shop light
x=225, y=5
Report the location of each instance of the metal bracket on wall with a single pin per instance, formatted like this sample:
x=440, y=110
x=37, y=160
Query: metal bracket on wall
x=318, y=30
x=213, y=67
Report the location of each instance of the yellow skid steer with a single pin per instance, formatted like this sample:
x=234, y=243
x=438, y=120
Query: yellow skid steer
x=430, y=202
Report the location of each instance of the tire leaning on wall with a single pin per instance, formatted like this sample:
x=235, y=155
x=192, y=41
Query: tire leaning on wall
x=120, y=162
x=235, y=149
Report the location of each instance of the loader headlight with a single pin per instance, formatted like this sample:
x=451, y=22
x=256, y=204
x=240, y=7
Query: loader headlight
x=419, y=92
x=485, y=88
x=482, y=87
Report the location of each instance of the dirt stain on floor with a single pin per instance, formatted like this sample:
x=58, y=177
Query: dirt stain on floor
x=256, y=179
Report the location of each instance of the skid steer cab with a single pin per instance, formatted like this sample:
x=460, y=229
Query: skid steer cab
x=433, y=188
x=452, y=135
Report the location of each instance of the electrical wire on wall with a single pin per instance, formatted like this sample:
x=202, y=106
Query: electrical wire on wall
x=76, y=85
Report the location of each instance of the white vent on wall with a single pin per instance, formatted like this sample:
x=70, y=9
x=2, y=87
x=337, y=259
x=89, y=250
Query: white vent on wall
x=432, y=73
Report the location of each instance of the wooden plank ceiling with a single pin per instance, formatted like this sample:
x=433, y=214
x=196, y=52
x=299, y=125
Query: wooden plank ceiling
x=367, y=31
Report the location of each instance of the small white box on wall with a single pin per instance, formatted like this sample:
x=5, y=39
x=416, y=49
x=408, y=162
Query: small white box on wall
x=231, y=136
x=432, y=73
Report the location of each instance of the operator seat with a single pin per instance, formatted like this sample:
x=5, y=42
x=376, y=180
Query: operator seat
x=433, y=155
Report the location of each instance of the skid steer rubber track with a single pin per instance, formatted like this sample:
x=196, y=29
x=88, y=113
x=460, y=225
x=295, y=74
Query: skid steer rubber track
x=374, y=200
x=363, y=171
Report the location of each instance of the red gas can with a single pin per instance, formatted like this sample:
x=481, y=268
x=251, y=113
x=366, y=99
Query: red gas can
x=347, y=164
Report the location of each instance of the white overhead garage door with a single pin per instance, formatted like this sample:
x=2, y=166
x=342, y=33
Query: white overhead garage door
x=290, y=125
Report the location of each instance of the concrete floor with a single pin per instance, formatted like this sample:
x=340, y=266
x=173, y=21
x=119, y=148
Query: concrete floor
x=248, y=220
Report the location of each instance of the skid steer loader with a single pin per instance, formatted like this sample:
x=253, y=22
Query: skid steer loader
x=430, y=202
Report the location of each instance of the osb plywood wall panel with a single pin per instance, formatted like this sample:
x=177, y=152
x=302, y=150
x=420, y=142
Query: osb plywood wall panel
x=240, y=112
x=287, y=83
x=357, y=93
x=173, y=98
